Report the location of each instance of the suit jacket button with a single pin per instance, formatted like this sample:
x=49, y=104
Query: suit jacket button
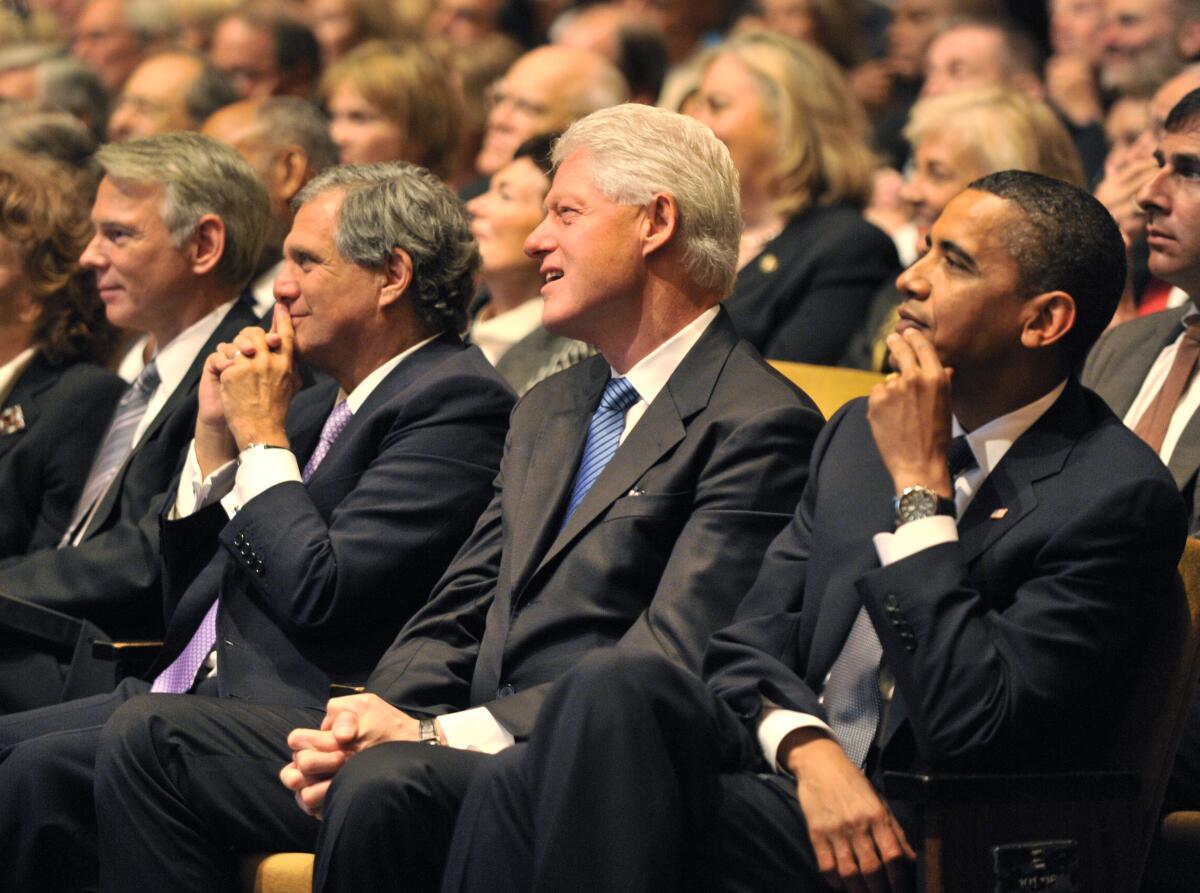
x=259, y=567
x=505, y=691
x=891, y=603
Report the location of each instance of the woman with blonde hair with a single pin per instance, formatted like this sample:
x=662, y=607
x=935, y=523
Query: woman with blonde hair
x=957, y=138
x=809, y=263
x=393, y=101
x=56, y=398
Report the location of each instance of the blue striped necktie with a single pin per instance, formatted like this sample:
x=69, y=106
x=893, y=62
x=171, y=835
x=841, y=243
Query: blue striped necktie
x=116, y=446
x=603, y=438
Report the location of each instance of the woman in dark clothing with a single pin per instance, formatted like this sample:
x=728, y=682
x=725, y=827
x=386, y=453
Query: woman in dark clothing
x=56, y=397
x=809, y=261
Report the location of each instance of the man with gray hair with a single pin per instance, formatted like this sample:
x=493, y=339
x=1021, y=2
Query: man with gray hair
x=637, y=494
x=305, y=527
x=180, y=220
x=286, y=140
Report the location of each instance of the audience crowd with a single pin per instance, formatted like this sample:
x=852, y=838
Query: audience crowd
x=395, y=384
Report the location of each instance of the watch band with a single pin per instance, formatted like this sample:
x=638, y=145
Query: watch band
x=427, y=732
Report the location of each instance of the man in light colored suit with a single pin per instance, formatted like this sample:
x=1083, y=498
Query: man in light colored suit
x=635, y=499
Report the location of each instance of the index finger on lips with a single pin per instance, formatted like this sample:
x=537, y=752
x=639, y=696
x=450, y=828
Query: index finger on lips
x=926, y=357
x=903, y=357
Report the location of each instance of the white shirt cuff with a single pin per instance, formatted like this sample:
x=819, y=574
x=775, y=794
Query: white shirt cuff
x=194, y=492
x=475, y=729
x=914, y=537
x=776, y=724
x=261, y=469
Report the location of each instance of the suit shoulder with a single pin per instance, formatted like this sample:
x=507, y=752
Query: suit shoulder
x=458, y=380
x=751, y=382
x=90, y=379
x=1112, y=442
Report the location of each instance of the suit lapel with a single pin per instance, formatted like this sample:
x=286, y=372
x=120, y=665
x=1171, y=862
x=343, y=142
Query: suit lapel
x=1007, y=494
x=552, y=464
x=239, y=316
x=663, y=426
x=1125, y=385
x=37, y=377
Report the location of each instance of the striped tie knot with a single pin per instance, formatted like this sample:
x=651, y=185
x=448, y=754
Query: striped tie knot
x=618, y=396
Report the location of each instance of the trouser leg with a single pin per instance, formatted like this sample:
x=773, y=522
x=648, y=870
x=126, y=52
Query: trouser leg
x=389, y=814
x=186, y=785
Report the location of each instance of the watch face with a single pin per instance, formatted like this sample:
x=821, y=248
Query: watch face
x=916, y=503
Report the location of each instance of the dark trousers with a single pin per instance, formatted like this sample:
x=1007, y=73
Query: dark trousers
x=186, y=785
x=636, y=778
x=47, y=820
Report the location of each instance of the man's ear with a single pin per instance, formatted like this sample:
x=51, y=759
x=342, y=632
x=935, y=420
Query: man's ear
x=660, y=222
x=207, y=244
x=1049, y=317
x=289, y=168
x=398, y=273
x=1187, y=37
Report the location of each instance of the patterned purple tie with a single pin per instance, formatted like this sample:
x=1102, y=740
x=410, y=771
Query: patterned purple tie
x=180, y=676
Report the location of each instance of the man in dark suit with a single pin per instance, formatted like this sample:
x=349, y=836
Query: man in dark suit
x=288, y=577
x=936, y=602
x=646, y=553
x=180, y=220
x=1145, y=369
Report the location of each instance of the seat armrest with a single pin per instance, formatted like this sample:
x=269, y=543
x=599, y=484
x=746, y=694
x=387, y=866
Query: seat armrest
x=1041, y=787
x=121, y=651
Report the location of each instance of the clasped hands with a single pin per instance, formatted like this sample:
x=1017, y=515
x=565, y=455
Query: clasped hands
x=351, y=724
x=245, y=390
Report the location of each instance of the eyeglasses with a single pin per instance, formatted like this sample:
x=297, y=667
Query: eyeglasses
x=496, y=96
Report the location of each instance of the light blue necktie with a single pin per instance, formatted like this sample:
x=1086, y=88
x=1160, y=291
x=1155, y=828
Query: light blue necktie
x=180, y=675
x=115, y=448
x=852, y=696
x=603, y=438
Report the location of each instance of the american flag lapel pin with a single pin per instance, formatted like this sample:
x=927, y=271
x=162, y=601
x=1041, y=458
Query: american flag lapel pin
x=12, y=420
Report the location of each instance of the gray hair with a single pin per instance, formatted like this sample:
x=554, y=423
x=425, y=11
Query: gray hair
x=200, y=176
x=636, y=151
x=399, y=205
x=70, y=85
x=288, y=120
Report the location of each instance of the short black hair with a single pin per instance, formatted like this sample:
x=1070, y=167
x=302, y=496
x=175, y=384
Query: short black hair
x=1070, y=243
x=1186, y=113
x=537, y=149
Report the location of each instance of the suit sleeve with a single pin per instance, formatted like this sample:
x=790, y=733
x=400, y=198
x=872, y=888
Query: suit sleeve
x=374, y=557
x=982, y=683
x=744, y=495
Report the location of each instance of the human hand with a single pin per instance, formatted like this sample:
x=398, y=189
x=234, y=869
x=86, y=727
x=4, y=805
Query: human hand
x=1125, y=173
x=351, y=724
x=909, y=415
x=871, y=82
x=857, y=841
x=214, y=443
x=258, y=384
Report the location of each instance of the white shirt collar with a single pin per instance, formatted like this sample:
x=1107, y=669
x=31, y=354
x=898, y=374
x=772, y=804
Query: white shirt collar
x=262, y=290
x=649, y=375
x=13, y=369
x=496, y=335
x=359, y=395
x=989, y=442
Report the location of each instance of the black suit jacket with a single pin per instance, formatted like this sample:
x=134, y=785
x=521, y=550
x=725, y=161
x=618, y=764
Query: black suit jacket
x=806, y=294
x=43, y=466
x=656, y=556
x=1116, y=369
x=1011, y=647
x=111, y=578
x=315, y=580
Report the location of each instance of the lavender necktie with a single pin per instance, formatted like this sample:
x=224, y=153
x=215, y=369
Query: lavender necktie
x=180, y=676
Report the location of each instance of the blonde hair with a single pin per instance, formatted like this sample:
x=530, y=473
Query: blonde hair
x=1002, y=129
x=823, y=156
x=410, y=86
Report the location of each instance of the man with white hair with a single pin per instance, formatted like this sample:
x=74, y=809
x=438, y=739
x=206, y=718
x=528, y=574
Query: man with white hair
x=1144, y=42
x=637, y=493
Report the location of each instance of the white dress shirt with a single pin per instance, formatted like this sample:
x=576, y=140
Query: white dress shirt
x=476, y=728
x=262, y=290
x=495, y=335
x=255, y=471
x=1189, y=401
x=13, y=369
x=988, y=444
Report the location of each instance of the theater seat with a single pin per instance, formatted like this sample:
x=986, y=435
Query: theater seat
x=278, y=873
x=1084, y=831
x=829, y=386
